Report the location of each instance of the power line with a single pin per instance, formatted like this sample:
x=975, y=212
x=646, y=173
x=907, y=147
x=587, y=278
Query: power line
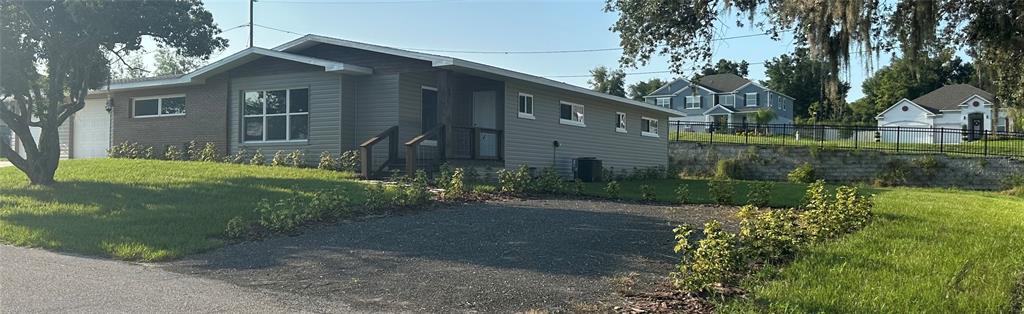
x=279, y=30
x=558, y=51
x=356, y=2
x=627, y=73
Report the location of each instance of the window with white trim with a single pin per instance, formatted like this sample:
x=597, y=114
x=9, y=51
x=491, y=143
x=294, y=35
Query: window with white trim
x=275, y=115
x=571, y=114
x=751, y=99
x=693, y=102
x=649, y=127
x=526, y=106
x=620, y=122
x=158, y=106
x=664, y=102
x=727, y=100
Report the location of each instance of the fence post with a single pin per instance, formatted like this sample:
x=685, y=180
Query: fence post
x=984, y=138
x=821, y=136
x=898, y=138
x=942, y=139
x=678, y=123
x=746, y=135
x=856, y=138
x=711, y=139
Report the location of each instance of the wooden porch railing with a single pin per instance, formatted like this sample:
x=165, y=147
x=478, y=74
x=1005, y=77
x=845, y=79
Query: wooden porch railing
x=412, y=147
x=367, y=168
x=467, y=141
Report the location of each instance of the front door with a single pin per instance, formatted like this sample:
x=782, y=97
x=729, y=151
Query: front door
x=485, y=120
x=975, y=126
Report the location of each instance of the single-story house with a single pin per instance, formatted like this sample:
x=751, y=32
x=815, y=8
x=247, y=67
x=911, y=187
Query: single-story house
x=721, y=98
x=956, y=108
x=319, y=93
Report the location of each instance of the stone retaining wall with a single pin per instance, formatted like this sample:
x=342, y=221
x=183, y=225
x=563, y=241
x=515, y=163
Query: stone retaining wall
x=862, y=166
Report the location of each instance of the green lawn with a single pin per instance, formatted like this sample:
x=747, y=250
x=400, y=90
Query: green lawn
x=929, y=251
x=785, y=194
x=995, y=147
x=144, y=210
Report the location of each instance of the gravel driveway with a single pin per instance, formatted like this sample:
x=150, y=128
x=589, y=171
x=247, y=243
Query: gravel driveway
x=559, y=255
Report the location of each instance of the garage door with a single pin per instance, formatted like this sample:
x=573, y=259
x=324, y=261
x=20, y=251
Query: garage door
x=91, y=136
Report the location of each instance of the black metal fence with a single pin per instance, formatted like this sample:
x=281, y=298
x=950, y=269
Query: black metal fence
x=896, y=139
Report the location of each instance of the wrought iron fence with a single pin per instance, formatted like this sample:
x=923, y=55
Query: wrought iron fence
x=896, y=139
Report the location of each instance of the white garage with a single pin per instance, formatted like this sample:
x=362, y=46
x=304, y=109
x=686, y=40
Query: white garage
x=90, y=137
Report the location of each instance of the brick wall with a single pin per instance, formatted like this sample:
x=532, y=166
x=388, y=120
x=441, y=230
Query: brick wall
x=774, y=163
x=205, y=118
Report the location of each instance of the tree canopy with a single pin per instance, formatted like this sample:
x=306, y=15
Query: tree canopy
x=799, y=76
x=53, y=52
x=638, y=90
x=725, y=66
x=169, y=62
x=608, y=81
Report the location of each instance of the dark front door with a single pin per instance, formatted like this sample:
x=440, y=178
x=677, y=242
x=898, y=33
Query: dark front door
x=975, y=126
x=429, y=109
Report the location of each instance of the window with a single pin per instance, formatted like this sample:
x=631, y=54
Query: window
x=571, y=114
x=751, y=99
x=620, y=122
x=727, y=100
x=664, y=102
x=159, y=106
x=692, y=102
x=275, y=115
x=649, y=127
x=526, y=106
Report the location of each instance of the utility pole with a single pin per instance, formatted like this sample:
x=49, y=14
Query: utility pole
x=250, y=22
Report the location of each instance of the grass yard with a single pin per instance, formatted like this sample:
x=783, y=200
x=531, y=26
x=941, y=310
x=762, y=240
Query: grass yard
x=785, y=194
x=143, y=209
x=928, y=251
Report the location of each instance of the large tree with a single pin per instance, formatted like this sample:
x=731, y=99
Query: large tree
x=53, y=52
x=799, y=76
x=638, y=90
x=725, y=66
x=170, y=62
x=608, y=81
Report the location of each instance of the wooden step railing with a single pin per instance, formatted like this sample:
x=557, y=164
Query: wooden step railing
x=367, y=168
x=413, y=158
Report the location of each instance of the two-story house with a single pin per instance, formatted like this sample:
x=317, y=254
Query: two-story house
x=722, y=98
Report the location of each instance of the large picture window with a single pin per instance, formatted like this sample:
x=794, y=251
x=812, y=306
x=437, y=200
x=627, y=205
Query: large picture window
x=275, y=115
x=158, y=106
x=649, y=127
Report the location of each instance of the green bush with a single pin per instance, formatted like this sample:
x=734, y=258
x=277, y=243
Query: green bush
x=769, y=235
x=484, y=189
x=295, y=159
x=191, y=151
x=514, y=182
x=412, y=191
x=377, y=197
x=128, y=151
x=285, y=214
x=237, y=157
x=577, y=187
x=237, y=228
x=279, y=160
x=722, y=191
x=612, y=190
x=258, y=159
x=208, y=153
x=327, y=161
x=173, y=153
x=333, y=204
x=804, y=173
x=349, y=161
x=728, y=169
x=548, y=183
x=453, y=187
x=647, y=193
x=760, y=193
x=711, y=261
x=682, y=194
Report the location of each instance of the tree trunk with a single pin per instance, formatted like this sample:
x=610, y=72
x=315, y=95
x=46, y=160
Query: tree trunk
x=40, y=161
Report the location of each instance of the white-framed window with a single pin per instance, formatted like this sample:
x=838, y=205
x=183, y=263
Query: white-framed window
x=571, y=114
x=158, y=106
x=275, y=115
x=751, y=99
x=649, y=127
x=620, y=122
x=526, y=106
x=727, y=100
x=664, y=102
x=693, y=102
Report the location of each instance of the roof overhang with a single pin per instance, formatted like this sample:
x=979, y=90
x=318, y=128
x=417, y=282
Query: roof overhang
x=972, y=97
x=200, y=75
x=719, y=106
x=927, y=112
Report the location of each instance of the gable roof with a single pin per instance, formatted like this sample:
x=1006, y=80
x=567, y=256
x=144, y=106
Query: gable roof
x=928, y=111
x=950, y=97
x=725, y=82
x=198, y=76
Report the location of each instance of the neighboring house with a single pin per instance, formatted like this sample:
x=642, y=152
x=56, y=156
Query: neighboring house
x=722, y=98
x=318, y=94
x=7, y=137
x=958, y=107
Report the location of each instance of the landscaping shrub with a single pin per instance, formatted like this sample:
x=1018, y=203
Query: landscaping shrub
x=647, y=193
x=612, y=189
x=484, y=189
x=769, y=235
x=377, y=197
x=208, y=153
x=760, y=193
x=149, y=153
x=804, y=173
x=191, y=151
x=237, y=228
x=173, y=153
x=279, y=160
x=682, y=194
x=412, y=190
x=917, y=172
x=257, y=158
x=237, y=157
x=712, y=260
x=296, y=159
x=128, y=151
x=514, y=182
x=453, y=187
x=577, y=187
x=728, y=169
x=285, y=214
x=327, y=162
x=349, y=161
x=330, y=204
x=722, y=191
x=548, y=183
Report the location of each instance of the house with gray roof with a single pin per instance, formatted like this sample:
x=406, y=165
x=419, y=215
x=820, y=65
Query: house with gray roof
x=721, y=98
x=958, y=107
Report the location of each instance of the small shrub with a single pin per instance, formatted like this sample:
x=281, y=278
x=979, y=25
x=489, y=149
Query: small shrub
x=296, y=159
x=453, y=187
x=237, y=228
x=191, y=151
x=327, y=162
x=612, y=189
x=728, y=169
x=577, y=187
x=173, y=153
x=548, y=182
x=712, y=260
x=349, y=161
x=769, y=235
x=683, y=194
x=484, y=189
x=333, y=204
x=257, y=158
x=285, y=214
x=413, y=191
x=647, y=193
x=208, y=153
x=149, y=153
x=722, y=191
x=279, y=159
x=760, y=193
x=237, y=157
x=377, y=197
x=804, y=173
x=514, y=182
x=128, y=151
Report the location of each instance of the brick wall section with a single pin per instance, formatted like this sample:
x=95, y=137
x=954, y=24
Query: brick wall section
x=774, y=163
x=205, y=118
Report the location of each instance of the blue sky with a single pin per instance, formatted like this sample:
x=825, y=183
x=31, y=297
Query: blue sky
x=481, y=26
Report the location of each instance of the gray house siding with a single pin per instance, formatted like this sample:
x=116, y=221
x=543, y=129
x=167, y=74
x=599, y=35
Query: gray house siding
x=706, y=102
x=410, y=102
x=324, y=110
x=529, y=142
x=376, y=107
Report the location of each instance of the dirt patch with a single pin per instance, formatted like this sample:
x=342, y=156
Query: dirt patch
x=555, y=255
